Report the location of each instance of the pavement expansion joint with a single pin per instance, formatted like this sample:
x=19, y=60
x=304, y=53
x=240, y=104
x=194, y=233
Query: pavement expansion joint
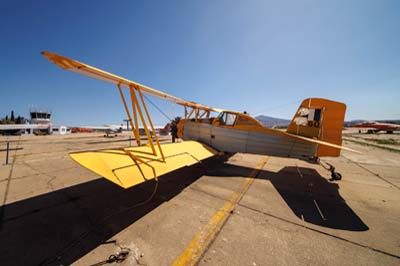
x=372, y=172
x=199, y=245
x=303, y=225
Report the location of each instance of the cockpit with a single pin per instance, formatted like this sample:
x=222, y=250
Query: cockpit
x=227, y=118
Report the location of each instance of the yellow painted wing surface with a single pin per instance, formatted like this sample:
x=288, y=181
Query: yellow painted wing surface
x=87, y=70
x=131, y=166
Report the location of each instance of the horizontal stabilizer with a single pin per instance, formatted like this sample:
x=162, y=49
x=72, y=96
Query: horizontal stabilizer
x=323, y=143
x=134, y=165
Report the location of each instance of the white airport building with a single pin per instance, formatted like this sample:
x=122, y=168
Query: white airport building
x=39, y=124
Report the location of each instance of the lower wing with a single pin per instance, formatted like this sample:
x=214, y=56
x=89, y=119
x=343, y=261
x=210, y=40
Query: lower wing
x=131, y=166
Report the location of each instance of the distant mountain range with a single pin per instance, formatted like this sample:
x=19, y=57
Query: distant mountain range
x=269, y=121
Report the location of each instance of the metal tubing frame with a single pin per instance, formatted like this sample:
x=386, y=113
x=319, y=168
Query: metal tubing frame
x=196, y=114
x=150, y=122
x=197, y=111
x=136, y=131
x=136, y=107
x=190, y=114
x=205, y=112
x=127, y=112
x=134, y=99
x=185, y=111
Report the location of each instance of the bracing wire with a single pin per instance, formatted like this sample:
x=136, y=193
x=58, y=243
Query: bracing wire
x=161, y=111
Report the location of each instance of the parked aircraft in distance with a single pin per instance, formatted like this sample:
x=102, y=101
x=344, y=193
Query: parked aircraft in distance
x=375, y=127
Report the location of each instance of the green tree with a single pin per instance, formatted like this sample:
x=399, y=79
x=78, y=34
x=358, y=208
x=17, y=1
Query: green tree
x=12, y=116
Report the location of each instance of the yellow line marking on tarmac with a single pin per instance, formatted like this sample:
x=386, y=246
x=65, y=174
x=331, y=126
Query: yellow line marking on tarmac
x=195, y=250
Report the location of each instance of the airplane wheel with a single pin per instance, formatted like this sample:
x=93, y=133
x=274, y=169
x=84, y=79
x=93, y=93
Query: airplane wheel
x=336, y=176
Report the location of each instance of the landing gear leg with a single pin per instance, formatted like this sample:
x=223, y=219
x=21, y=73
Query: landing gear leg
x=336, y=176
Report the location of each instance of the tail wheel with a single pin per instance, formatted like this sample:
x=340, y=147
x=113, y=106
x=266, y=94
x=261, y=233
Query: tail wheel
x=336, y=176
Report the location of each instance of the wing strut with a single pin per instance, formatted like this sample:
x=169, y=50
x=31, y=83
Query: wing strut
x=196, y=111
x=136, y=107
x=134, y=128
x=150, y=122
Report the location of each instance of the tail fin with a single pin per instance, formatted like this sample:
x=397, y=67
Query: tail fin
x=320, y=119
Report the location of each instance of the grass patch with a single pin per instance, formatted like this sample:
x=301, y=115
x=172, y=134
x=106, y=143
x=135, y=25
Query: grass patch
x=372, y=145
x=382, y=141
x=387, y=141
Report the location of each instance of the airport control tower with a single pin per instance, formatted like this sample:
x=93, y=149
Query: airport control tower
x=41, y=118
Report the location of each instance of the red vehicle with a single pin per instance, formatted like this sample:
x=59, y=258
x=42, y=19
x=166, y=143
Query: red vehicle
x=81, y=130
x=374, y=127
x=166, y=130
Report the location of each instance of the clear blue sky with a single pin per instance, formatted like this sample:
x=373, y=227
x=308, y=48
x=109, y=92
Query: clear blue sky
x=259, y=56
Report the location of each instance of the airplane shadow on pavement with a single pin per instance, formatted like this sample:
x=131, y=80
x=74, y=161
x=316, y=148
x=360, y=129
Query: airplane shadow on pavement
x=60, y=227
x=315, y=199
x=309, y=195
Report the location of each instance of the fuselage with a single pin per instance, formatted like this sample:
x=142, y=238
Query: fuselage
x=238, y=132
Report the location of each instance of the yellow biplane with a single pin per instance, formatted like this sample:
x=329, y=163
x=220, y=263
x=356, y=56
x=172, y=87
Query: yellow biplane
x=315, y=131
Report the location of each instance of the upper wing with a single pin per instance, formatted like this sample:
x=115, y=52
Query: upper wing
x=78, y=67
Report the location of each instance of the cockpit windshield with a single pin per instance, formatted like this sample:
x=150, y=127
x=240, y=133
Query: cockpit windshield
x=227, y=118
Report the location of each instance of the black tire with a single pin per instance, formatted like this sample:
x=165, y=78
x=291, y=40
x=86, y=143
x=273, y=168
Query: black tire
x=336, y=176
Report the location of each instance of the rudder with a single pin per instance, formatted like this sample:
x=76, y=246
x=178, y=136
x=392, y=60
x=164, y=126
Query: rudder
x=320, y=119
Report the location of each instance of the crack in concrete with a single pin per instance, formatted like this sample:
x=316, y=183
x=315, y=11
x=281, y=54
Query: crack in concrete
x=301, y=225
x=319, y=231
x=38, y=172
x=2, y=208
x=371, y=172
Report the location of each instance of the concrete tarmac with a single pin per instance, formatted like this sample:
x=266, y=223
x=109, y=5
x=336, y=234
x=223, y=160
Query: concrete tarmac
x=286, y=212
